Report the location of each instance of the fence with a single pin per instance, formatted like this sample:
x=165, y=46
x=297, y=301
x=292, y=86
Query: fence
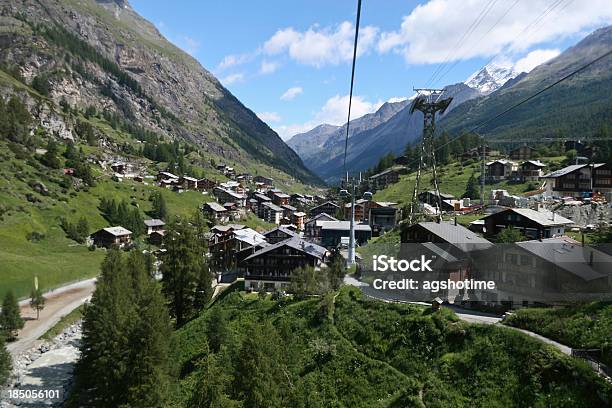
x=592, y=356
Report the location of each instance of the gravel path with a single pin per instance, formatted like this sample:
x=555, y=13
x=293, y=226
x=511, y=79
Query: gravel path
x=48, y=366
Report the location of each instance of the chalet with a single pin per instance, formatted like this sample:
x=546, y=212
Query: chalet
x=360, y=210
x=280, y=198
x=328, y=207
x=476, y=153
x=190, y=183
x=546, y=271
x=431, y=198
x=578, y=179
x=310, y=226
x=531, y=170
x=270, y=268
x=448, y=233
x=138, y=179
x=401, y=160
x=164, y=175
x=111, y=236
x=69, y=171
x=221, y=167
x=157, y=237
x=215, y=211
x=534, y=224
x=206, y=184
x=224, y=195
x=297, y=218
x=154, y=225
x=332, y=232
x=501, y=170
x=266, y=181
x=288, y=210
x=258, y=207
x=272, y=213
x=279, y=234
x=244, y=178
x=233, y=211
x=522, y=153
x=382, y=216
x=383, y=179
x=224, y=244
x=301, y=203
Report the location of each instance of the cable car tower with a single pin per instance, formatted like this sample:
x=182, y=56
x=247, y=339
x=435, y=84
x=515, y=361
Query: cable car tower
x=429, y=102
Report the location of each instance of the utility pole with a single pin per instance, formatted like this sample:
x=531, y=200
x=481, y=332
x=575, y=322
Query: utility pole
x=482, y=174
x=429, y=102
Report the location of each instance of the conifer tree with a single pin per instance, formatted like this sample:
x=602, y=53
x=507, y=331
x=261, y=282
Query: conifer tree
x=5, y=362
x=37, y=301
x=211, y=386
x=185, y=276
x=159, y=209
x=10, y=317
x=471, y=188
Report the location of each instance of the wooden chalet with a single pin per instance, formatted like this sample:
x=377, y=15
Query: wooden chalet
x=112, y=236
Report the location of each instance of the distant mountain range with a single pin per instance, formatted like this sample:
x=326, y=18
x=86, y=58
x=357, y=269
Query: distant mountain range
x=580, y=105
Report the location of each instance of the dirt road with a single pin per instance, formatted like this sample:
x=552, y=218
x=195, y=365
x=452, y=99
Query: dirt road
x=59, y=303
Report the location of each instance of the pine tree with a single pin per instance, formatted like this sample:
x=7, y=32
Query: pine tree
x=10, y=317
x=37, y=301
x=82, y=229
x=472, y=189
x=211, y=386
x=50, y=158
x=5, y=362
x=126, y=332
x=182, y=271
x=159, y=209
x=336, y=270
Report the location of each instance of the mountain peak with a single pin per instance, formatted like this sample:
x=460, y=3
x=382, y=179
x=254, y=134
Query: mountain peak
x=491, y=77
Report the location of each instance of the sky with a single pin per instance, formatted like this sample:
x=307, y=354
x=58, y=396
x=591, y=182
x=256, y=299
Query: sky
x=290, y=61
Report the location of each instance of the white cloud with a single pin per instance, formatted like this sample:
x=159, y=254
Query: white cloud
x=291, y=93
x=232, y=79
x=268, y=67
x=535, y=58
x=269, y=116
x=395, y=99
x=234, y=60
x=321, y=46
x=333, y=112
x=431, y=33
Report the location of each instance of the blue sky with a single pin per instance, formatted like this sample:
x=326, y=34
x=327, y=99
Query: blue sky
x=289, y=61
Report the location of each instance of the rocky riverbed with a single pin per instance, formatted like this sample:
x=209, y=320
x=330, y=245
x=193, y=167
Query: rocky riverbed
x=48, y=366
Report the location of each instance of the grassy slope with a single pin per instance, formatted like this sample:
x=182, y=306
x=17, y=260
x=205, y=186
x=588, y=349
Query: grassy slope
x=453, y=179
x=581, y=326
x=396, y=356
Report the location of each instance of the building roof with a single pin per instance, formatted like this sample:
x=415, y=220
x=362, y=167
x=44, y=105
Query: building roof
x=249, y=236
x=282, y=195
x=117, y=231
x=543, y=217
x=216, y=207
x=284, y=229
x=288, y=207
x=228, y=227
x=456, y=235
x=296, y=243
x=324, y=204
x=261, y=197
x=383, y=173
x=534, y=162
x=272, y=206
x=154, y=223
x=301, y=214
x=569, y=169
x=569, y=255
x=188, y=178
x=322, y=215
x=341, y=226
x=231, y=193
x=443, y=195
x=501, y=161
x=168, y=174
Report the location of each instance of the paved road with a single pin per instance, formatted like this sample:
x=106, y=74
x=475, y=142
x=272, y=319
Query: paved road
x=470, y=316
x=59, y=303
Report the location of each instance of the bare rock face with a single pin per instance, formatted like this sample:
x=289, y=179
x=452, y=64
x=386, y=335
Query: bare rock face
x=174, y=96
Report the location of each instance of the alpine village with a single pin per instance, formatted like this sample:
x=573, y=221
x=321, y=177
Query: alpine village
x=162, y=246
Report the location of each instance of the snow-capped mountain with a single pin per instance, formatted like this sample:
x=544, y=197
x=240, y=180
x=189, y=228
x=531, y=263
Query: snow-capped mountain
x=491, y=77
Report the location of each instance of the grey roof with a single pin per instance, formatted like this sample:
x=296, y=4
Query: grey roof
x=273, y=207
x=262, y=197
x=568, y=169
x=296, y=243
x=382, y=173
x=542, y=217
x=154, y=223
x=569, y=255
x=249, y=236
x=117, y=231
x=441, y=252
x=282, y=195
x=534, y=162
x=282, y=229
x=342, y=226
x=443, y=195
x=288, y=207
x=322, y=215
x=456, y=235
x=215, y=206
x=326, y=203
